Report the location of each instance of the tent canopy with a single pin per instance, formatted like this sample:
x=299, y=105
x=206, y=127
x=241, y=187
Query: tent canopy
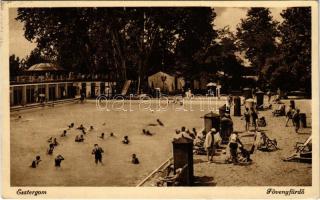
x=44, y=67
x=211, y=84
x=162, y=80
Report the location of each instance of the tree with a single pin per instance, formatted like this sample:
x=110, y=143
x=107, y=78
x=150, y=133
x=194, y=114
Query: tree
x=222, y=56
x=256, y=37
x=295, y=48
x=118, y=40
x=197, y=38
x=35, y=57
x=14, y=64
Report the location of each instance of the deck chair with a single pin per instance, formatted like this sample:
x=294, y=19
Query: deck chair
x=303, y=152
x=172, y=179
x=280, y=111
x=267, y=144
x=264, y=107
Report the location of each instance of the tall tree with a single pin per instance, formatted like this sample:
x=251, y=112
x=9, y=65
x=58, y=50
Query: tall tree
x=197, y=38
x=117, y=40
x=256, y=37
x=295, y=48
x=35, y=57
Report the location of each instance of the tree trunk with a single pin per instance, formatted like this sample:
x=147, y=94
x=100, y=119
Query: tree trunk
x=124, y=69
x=139, y=76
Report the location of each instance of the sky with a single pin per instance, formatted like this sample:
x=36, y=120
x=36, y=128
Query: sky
x=21, y=47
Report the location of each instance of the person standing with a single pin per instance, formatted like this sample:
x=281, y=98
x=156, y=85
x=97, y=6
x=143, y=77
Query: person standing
x=82, y=96
x=254, y=117
x=57, y=160
x=289, y=115
x=50, y=150
x=209, y=144
x=233, y=146
x=247, y=119
x=269, y=96
x=97, y=151
x=296, y=120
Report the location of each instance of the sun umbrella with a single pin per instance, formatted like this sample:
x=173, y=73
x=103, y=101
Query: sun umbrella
x=211, y=84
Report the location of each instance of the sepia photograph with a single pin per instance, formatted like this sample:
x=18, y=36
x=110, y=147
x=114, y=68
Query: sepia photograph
x=161, y=96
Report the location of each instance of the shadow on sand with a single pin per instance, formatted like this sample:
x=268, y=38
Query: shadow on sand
x=304, y=133
x=204, y=181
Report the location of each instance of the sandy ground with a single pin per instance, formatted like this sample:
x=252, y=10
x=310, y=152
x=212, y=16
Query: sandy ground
x=28, y=138
x=267, y=168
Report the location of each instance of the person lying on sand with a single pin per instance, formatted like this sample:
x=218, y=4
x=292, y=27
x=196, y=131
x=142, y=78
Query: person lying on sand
x=152, y=124
x=146, y=132
x=159, y=122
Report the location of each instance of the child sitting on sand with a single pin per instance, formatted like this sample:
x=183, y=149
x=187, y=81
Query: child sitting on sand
x=134, y=160
x=71, y=125
x=245, y=154
x=125, y=140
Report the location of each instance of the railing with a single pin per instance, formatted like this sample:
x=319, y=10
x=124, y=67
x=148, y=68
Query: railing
x=58, y=78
